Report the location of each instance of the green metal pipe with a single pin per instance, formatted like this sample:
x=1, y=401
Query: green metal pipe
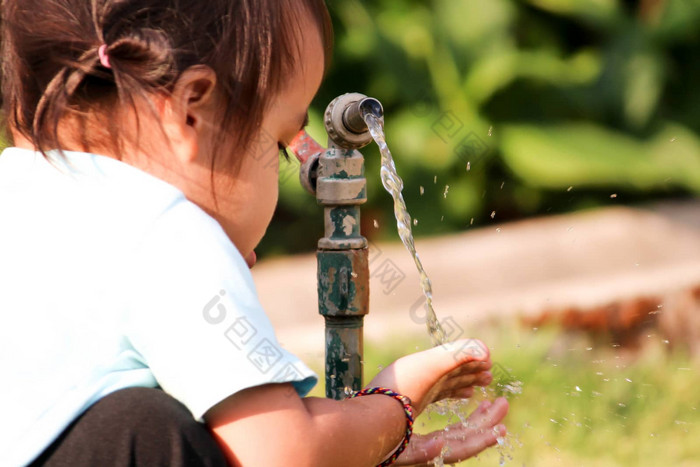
x=336, y=176
x=343, y=272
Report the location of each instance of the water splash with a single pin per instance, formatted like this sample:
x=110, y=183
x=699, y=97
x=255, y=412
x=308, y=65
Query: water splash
x=394, y=185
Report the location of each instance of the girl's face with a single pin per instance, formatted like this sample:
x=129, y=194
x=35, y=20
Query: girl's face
x=246, y=200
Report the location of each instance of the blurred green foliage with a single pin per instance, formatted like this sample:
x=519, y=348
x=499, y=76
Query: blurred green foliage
x=555, y=104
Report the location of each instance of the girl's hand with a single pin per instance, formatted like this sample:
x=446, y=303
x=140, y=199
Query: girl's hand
x=447, y=371
x=481, y=431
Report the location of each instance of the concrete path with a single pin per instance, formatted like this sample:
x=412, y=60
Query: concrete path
x=579, y=260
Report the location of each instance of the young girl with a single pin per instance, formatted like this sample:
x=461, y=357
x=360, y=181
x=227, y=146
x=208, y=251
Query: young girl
x=131, y=202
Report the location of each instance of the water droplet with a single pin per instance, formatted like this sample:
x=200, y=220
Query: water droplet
x=471, y=222
x=502, y=185
x=421, y=190
x=415, y=221
x=493, y=214
x=376, y=224
x=469, y=166
x=447, y=188
x=628, y=380
x=435, y=179
x=490, y=130
x=498, y=230
x=672, y=139
x=578, y=389
x=442, y=218
x=666, y=341
x=570, y=188
x=614, y=195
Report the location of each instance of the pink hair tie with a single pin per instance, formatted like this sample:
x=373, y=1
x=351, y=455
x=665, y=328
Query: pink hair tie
x=104, y=58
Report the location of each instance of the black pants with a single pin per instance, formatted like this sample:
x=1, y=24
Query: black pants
x=134, y=427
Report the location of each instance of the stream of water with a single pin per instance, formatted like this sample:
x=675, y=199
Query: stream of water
x=394, y=185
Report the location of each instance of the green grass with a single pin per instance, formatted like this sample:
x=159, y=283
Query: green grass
x=583, y=403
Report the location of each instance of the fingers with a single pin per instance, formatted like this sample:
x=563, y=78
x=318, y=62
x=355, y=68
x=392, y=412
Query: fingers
x=471, y=367
x=455, y=354
x=462, y=440
x=421, y=449
x=482, y=430
x=482, y=378
x=466, y=350
x=437, y=372
x=463, y=393
x=488, y=413
x=462, y=387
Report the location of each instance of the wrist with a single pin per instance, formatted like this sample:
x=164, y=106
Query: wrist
x=408, y=414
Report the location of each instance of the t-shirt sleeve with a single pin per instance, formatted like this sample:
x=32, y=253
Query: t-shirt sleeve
x=195, y=318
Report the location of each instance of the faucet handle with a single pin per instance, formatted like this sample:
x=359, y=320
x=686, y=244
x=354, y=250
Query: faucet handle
x=304, y=146
x=308, y=151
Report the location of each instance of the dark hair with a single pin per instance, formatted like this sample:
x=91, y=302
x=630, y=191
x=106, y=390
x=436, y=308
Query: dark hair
x=51, y=66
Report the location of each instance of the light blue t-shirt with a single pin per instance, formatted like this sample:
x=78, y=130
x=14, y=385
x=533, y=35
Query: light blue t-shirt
x=111, y=278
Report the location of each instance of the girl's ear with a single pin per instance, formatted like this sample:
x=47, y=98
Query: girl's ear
x=189, y=112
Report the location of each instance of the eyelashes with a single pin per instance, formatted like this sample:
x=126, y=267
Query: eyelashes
x=283, y=152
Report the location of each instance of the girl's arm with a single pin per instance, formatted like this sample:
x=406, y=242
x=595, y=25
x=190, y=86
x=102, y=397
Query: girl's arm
x=270, y=425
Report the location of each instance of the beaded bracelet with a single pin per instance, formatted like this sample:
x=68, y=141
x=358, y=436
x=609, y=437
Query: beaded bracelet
x=408, y=410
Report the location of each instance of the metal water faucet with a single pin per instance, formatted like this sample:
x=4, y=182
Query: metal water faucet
x=336, y=176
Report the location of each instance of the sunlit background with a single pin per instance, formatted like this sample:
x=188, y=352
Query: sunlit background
x=556, y=105
x=550, y=151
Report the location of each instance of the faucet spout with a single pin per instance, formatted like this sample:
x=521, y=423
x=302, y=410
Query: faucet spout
x=354, y=115
x=345, y=120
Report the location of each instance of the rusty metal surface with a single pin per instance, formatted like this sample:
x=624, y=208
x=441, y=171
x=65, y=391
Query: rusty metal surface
x=344, y=356
x=343, y=282
x=341, y=178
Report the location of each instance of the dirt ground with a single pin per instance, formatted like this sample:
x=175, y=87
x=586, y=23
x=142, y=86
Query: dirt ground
x=614, y=262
